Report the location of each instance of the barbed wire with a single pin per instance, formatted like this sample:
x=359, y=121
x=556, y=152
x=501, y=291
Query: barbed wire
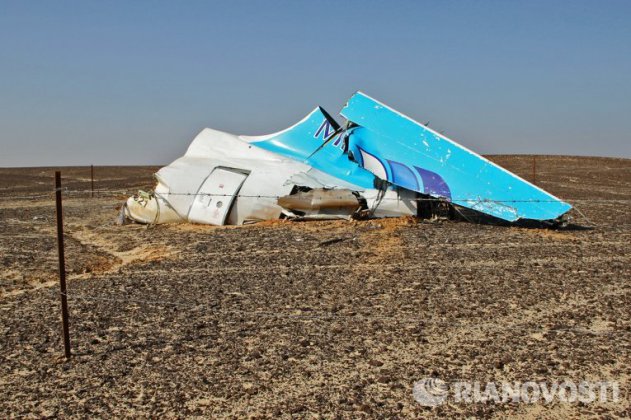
x=19, y=197
x=416, y=199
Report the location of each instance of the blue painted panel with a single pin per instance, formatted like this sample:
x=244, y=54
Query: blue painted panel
x=434, y=184
x=471, y=180
x=300, y=141
x=403, y=176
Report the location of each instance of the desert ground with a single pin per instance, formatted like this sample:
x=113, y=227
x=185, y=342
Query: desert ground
x=309, y=319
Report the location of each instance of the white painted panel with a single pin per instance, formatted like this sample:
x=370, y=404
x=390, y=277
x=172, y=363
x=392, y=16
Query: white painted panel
x=215, y=196
x=374, y=165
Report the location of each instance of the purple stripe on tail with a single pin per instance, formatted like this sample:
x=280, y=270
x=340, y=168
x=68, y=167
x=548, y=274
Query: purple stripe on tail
x=433, y=183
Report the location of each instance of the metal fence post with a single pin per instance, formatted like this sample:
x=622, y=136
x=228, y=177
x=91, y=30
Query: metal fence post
x=62, y=265
x=92, y=180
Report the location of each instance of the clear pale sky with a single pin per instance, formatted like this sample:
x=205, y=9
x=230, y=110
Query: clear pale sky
x=132, y=82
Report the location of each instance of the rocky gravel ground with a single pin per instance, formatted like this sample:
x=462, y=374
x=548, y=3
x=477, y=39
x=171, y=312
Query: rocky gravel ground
x=317, y=319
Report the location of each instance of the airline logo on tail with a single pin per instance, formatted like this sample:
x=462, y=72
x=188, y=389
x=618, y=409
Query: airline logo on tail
x=325, y=131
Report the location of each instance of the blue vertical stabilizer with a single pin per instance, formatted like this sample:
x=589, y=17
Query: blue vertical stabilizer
x=407, y=153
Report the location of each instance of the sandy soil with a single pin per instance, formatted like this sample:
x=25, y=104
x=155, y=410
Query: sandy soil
x=283, y=318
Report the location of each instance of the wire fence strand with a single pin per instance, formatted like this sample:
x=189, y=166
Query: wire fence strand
x=469, y=199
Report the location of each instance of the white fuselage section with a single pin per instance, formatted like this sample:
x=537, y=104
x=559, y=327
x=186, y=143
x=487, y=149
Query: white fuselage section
x=223, y=179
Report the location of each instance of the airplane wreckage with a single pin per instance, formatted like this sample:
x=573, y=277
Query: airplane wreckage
x=380, y=163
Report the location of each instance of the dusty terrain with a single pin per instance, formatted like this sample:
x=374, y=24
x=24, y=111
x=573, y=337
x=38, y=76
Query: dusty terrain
x=284, y=319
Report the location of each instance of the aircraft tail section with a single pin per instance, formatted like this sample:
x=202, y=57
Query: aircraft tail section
x=380, y=143
x=406, y=153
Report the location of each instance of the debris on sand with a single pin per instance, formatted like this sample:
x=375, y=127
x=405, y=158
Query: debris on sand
x=379, y=163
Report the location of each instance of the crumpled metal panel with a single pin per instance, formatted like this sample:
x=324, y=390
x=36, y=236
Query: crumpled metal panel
x=319, y=199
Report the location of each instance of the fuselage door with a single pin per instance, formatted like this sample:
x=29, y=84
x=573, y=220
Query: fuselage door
x=215, y=196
